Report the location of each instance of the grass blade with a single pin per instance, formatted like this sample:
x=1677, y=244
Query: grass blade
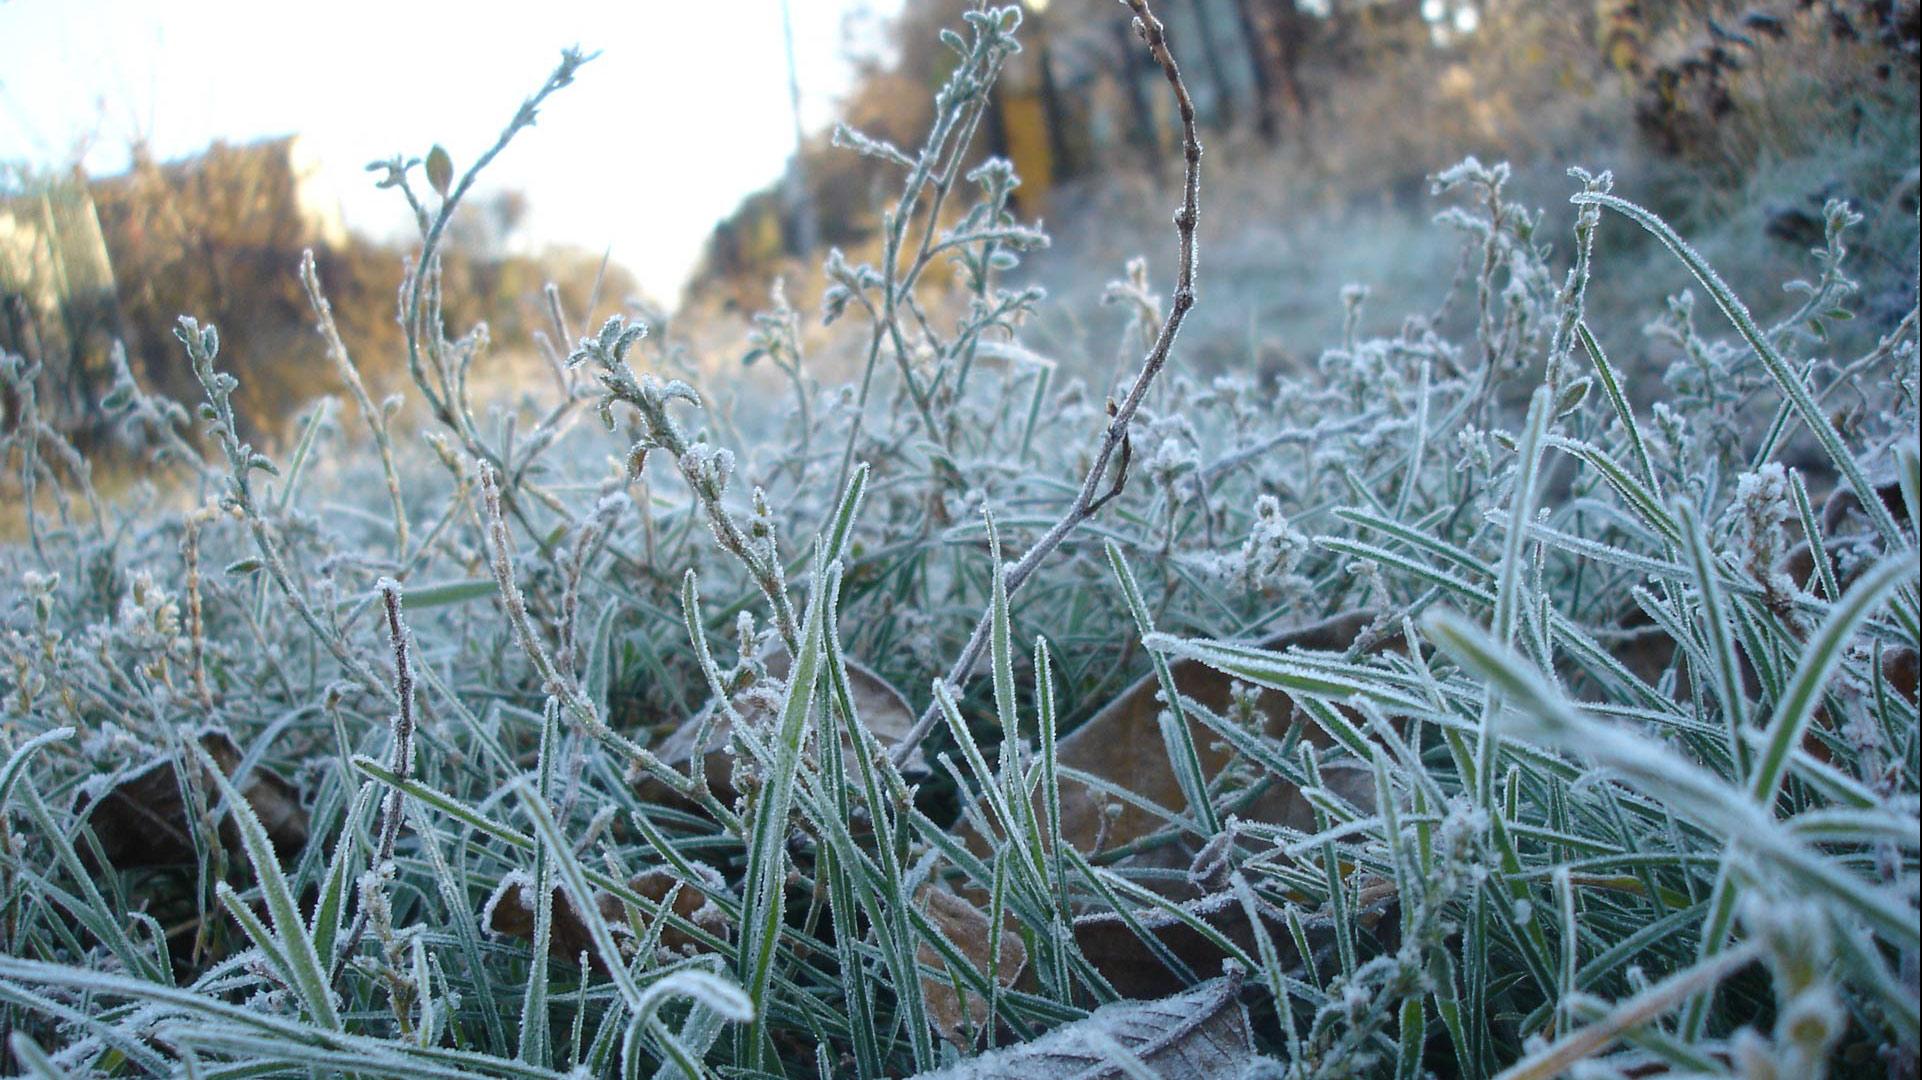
x=310, y=981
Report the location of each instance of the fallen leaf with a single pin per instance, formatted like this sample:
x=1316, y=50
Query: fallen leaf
x=883, y=710
x=1899, y=669
x=142, y=820
x=510, y=911
x=1641, y=646
x=1202, y=1034
x=1122, y=745
x=1843, y=504
x=1136, y=971
x=966, y=926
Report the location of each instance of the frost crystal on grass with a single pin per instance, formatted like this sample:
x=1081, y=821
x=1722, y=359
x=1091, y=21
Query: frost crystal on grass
x=1762, y=506
x=1274, y=547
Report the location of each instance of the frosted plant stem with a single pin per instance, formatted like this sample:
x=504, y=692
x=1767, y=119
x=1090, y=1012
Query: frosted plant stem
x=1090, y=498
x=350, y=374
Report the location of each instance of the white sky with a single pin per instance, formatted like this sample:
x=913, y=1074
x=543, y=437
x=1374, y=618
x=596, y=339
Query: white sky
x=685, y=111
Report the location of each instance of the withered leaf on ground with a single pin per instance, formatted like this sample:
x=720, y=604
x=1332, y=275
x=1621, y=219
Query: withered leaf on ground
x=142, y=819
x=883, y=709
x=966, y=926
x=1135, y=970
x=1899, y=668
x=1202, y=1034
x=510, y=911
x=1122, y=745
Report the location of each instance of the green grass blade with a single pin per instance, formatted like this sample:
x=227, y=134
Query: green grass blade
x=310, y=981
x=1726, y=666
x=1176, y=737
x=767, y=838
x=1791, y=384
x=836, y=536
x=1820, y=657
x=17, y=761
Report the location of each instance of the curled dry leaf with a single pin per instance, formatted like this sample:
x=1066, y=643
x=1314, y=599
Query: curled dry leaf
x=883, y=709
x=1122, y=745
x=1202, y=1034
x=966, y=927
x=1650, y=652
x=142, y=818
x=1843, y=524
x=510, y=911
x=1899, y=669
x=1136, y=971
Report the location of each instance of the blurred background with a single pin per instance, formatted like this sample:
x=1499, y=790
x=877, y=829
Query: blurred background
x=161, y=159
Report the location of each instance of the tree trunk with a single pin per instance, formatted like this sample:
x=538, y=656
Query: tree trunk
x=1066, y=161
x=1217, y=66
x=1291, y=30
x=1144, y=132
x=1262, y=62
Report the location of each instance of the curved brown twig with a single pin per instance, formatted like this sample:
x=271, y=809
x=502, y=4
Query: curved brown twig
x=1090, y=498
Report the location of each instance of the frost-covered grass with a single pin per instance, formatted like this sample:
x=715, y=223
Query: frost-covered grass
x=358, y=766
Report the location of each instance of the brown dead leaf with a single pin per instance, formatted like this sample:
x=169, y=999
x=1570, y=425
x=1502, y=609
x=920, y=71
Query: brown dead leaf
x=142, y=819
x=883, y=709
x=966, y=926
x=1202, y=1034
x=1649, y=652
x=1843, y=505
x=1135, y=970
x=1899, y=668
x=1122, y=744
x=510, y=911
